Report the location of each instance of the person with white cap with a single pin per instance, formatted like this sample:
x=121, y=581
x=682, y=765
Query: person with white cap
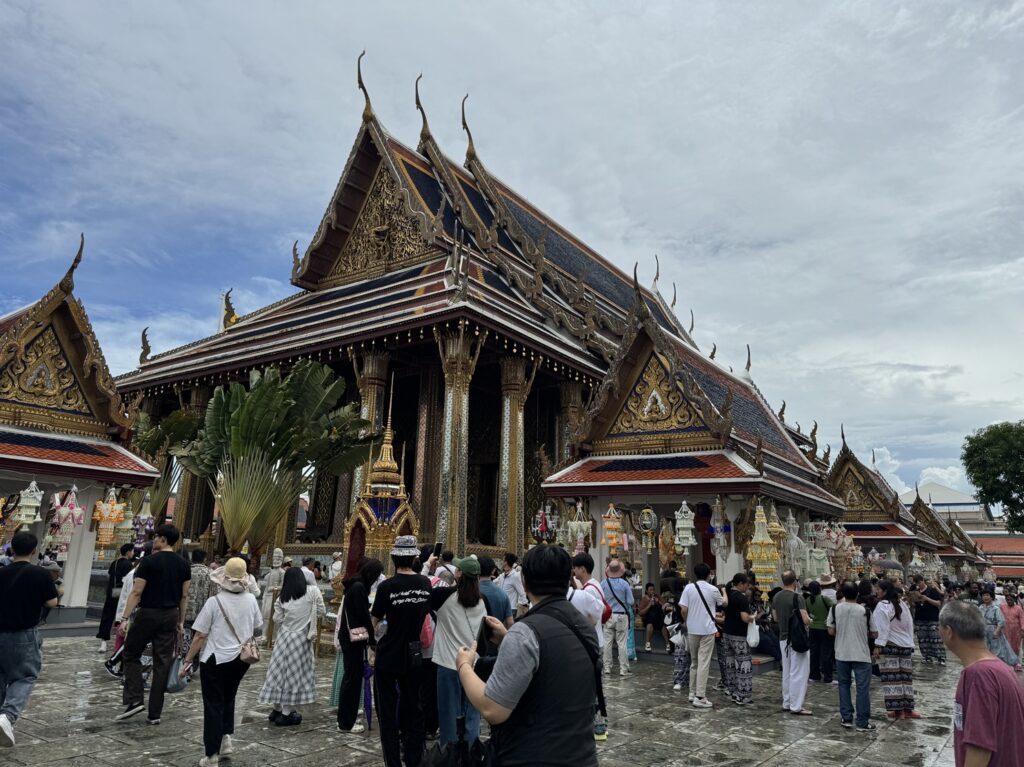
x=224, y=623
x=337, y=566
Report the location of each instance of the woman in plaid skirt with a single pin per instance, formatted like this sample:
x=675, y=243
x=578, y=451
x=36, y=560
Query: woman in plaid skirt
x=894, y=647
x=291, y=677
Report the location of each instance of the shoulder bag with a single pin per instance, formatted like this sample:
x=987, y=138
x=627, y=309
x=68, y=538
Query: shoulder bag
x=250, y=651
x=700, y=593
x=357, y=634
x=798, y=639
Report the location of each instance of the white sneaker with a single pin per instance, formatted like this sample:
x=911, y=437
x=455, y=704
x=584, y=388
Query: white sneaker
x=102, y=647
x=6, y=732
x=702, y=703
x=677, y=687
x=226, y=746
x=209, y=761
x=356, y=728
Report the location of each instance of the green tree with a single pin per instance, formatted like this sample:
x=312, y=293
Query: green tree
x=259, y=444
x=993, y=459
x=154, y=442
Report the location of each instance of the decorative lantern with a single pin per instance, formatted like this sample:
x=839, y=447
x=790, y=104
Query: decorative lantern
x=893, y=556
x=916, y=563
x=27, y=512
x=545, y=524
x=647, y=521
x=795, y=551
x=143, y=523
x=857, y=562
x=720, y=529
x=580, y=527
x=68, y=516
x=612, y=522
x=763, y=554
x=873, y=556
x=124, y=531
x=684, y=528
x=109, y=512
x=775, y=529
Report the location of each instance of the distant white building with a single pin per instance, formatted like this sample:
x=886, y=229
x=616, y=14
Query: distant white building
x=953, y=505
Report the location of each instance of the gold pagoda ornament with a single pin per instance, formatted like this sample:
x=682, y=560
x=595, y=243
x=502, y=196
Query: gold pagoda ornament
x=775, y=528
x=109, y=513
x=763, y=554
x=383, y=511
x=612, y=521
x=124, y=531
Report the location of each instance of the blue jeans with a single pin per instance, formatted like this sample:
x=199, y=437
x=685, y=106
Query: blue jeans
x=862, y=671
x=21, y=657
x=453, y=703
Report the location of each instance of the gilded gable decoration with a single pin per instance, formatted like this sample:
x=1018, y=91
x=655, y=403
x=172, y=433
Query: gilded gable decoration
x=42, y=377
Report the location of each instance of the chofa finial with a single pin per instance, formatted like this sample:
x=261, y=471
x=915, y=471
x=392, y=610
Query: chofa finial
x=714, y=351
x=425, y=128
x=144, y=356
x=471, y=149
x=367, y=108
x=673, y=304
x=692, y=322
x=872, y=456
x=657, y=272
x=782, y=412
x=842, y=433
x=295, y=258
x=748, y=358
x=67, y=283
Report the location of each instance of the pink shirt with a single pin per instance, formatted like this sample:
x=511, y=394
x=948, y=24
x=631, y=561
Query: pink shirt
x=988, y=712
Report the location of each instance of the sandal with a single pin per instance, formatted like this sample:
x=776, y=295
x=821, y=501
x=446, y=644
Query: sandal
x=802, y=712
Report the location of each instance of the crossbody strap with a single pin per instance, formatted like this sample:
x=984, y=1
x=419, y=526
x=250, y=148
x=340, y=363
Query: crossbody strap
x=700, y=593
x=611, y=589
x=591, y=653
x=227, y=619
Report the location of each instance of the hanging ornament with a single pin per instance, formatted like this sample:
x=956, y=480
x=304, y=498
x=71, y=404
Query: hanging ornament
x=684, y=528
x=580, y=527
x=109, y=512
x=648, y=523
x=612, y=523
x=763, y=554
x=124, y=531
x=720, y=529
x=545, y=524
x=143, y=523
x=68, y=516
x=27, y=512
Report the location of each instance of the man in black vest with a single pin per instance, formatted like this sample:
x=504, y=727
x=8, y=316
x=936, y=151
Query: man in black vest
x=539, y=697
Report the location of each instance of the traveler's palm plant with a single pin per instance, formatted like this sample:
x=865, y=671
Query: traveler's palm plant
x=154, y=442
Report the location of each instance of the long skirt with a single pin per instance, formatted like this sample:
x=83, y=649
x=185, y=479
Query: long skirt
x=999, y=647
x=739, y=668
x=291, y=677
x=897, y=667
x=929, y=641
x=339, y=674
x=681, y=666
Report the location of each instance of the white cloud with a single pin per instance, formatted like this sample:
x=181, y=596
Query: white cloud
x=887, y=466
x=950, y=476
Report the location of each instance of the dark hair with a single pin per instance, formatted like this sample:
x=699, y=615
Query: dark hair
x=294, y=584
x=547, y=570
x=892, y=595
x=918, y=578
x=23, y=544
x=447, y=556
x=403, y=563
x=369, y=571
x=307, y=561
x=864, y=588
x=814, y=588
x=468, y=588
x=788, y=578
x=487, y=567
x=511, y=559
x=672, y=565
x=126, y=548
x=168, y=532
x=702, y=571
x=648, y=586
x=739, y=578
x=850, y=590
x=584, y=560
x=198, y=556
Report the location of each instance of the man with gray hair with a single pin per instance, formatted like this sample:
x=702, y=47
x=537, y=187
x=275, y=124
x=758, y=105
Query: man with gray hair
x=989, y=703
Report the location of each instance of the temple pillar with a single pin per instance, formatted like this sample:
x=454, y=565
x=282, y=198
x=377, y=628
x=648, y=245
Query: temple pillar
x=570, y=394
x=515, y=388
x=428, y=430
x=459, y=349
x=371, y=366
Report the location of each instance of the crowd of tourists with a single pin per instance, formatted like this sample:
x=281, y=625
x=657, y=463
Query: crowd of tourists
x=449, y=641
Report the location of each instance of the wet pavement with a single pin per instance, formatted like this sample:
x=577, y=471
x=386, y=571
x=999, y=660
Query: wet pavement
x=70, y=722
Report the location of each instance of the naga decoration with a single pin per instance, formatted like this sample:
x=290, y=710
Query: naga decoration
x=763, y=554
x=612, y=523
x=720, y=529
x=683, y=538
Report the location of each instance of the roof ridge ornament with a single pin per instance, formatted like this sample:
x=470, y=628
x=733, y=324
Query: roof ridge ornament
x=872, y=457
x=748, y=358
x=296, y=262
x=692, y=321
x=827, y=455
x=673, y=305
x=714, y=350
x=144, y=356
x=471, y=148
x=657, y=272
x=425, y=128
x=67, y=283
x=842, y=433
x=368, y=115
x=782, y=412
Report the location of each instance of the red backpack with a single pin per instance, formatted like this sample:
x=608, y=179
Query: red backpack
x=607, y=614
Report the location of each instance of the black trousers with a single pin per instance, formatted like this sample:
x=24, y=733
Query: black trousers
x=428, y=696
x=400, y=716
x=107, y=619
x=351, y=684
x=220, y=685
x=159, y=626
x=822, y=654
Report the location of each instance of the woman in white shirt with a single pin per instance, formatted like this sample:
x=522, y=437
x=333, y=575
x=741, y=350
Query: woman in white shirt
x=225, y=621
x=460, y=613
x=894, y=648
x=291, y=677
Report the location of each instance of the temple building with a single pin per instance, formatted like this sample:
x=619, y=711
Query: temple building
x=65, y=471
x=506, y=337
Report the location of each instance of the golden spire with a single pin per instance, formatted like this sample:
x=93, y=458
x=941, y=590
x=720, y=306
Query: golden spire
x=367, y=108
x=385, y=469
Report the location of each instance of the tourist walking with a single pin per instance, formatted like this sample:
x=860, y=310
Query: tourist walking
x=1013, y=614
x=583, y=574
x=681, y=651
x=539, y=697
x=355, y=637
x=25, y=589
x=822, y=650
x=619, y=594
x=291, y=676
x=926, y=621
x=852, y=626
x=739, y=668
x=989, y=702
x=652, y=610
x=222, y=626
x=460, y=615
x=894, y=646
x=402, y=603
x=697, y=607
x=199, y=591
x=511, y=582
x=995, y=630
x=160, y=589
x=498, y=605
x=790, y=613
x=118, y=569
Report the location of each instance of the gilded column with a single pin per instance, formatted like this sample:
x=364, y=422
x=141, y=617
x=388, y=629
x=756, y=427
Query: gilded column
x=570, y=394
x=515, y=387
x=460, y=349
x=371, y=368
x=428, y=431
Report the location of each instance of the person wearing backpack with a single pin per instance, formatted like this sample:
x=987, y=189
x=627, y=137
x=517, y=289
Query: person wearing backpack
x=852, y=625
x=790, y=612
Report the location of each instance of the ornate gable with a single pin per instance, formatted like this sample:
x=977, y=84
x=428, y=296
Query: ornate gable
x=42, y=377
x=850, y=481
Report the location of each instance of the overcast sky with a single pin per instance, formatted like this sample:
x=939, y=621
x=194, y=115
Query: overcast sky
x=840, y=185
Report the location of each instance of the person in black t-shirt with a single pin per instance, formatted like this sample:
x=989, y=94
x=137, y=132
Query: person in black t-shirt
x=739, y=669
x=25, y=589
x=160, y=589
x=118, y=569
x=399, y=608
x=926, y=620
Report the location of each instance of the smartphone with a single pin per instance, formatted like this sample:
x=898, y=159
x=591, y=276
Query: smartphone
x=437, y=549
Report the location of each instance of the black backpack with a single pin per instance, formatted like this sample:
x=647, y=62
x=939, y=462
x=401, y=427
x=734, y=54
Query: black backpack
x=798, y=640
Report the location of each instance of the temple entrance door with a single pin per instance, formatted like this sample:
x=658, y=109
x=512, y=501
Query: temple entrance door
x=701, y=523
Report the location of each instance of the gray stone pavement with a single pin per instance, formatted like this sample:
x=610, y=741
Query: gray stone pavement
x=70, y=722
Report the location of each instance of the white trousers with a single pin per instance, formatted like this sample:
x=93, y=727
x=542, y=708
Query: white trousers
x=701, y=648
x=616, y=632
x=796, y=668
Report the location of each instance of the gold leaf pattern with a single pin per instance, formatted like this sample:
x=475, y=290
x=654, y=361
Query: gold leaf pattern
x=42, y=377
x=656, y=404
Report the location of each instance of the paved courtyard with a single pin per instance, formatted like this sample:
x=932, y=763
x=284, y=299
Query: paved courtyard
x=70, y=722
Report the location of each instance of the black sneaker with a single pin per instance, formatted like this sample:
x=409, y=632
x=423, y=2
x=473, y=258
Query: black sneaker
x=132, y=710
x=291, y=720
x=869, y=727
x=847, y=725
x=275, y=715
x=113, y=670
